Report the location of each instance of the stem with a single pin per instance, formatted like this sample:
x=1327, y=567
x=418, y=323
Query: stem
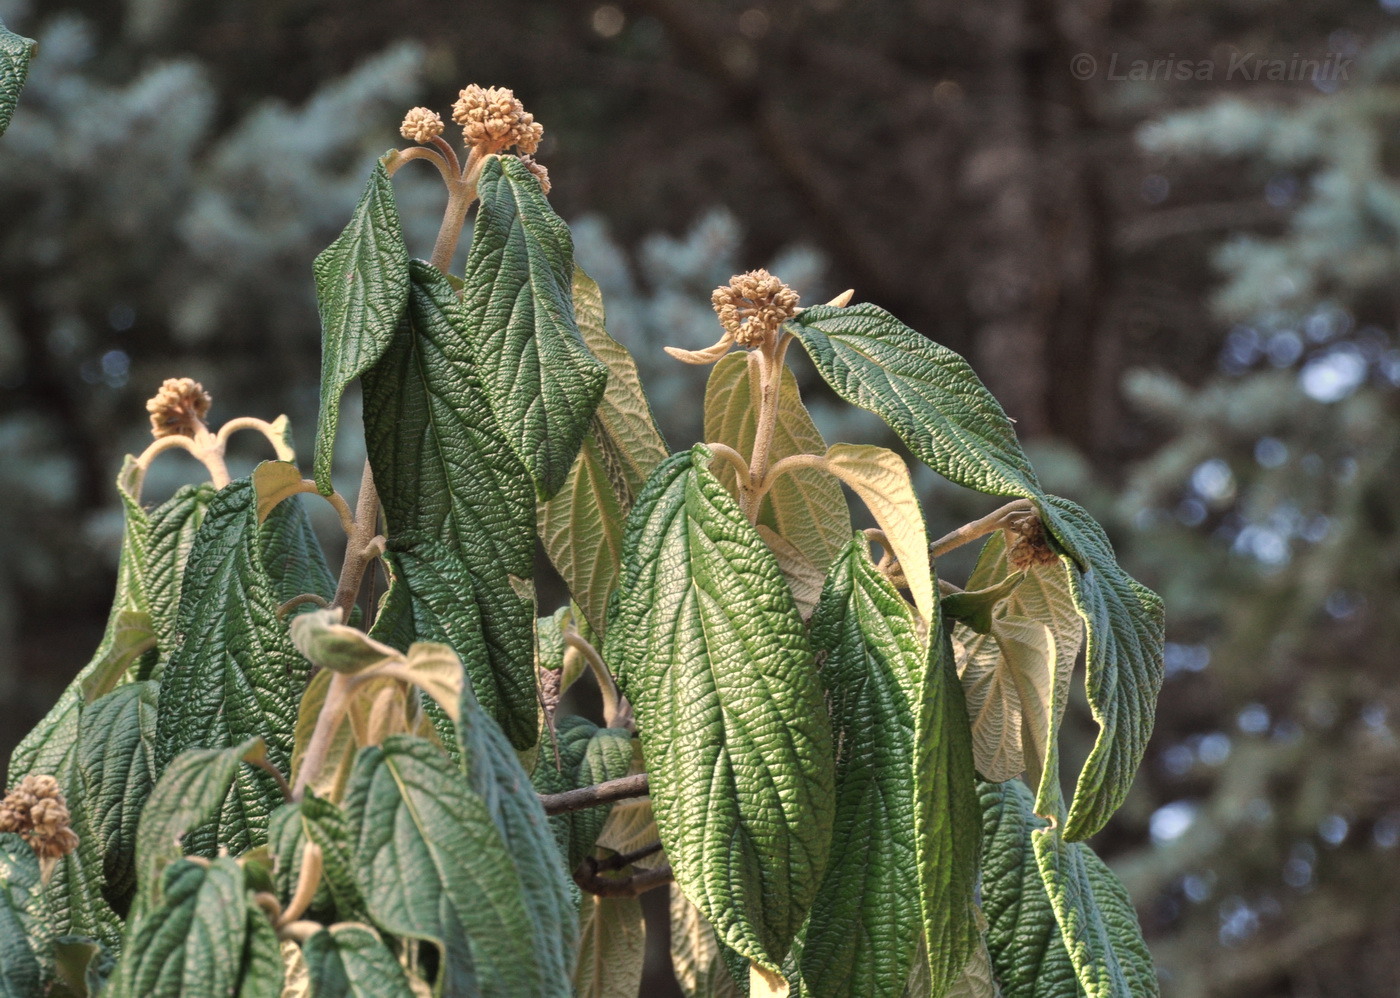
x=327, y=722
x=733, y=457
x=276, y=774
x=623, y=887
x=970, y=532
x=585, y=797
x=458, y=202
x=360, y=550
x=623, y=859
x=302, y=600
x=210, y=451
x=308, y=879
x=427, y=155
x=769, y=372
x=607, y=686
x=789, y=463
x=260, y=425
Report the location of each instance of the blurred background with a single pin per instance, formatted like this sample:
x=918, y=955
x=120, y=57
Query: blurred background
x=1166, y=233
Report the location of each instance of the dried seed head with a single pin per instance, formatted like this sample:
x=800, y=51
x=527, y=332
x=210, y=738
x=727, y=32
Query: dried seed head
x=540, y=171
x=753, y=306
x=179, y=408
x=421, y=125
x=37, y=811
x=1028, y=545
x=492, y=119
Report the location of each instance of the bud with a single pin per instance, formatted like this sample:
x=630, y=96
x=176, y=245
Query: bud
x=421, y=125
x=753, y=306
x=179, y=408
x=493, y=119
x=37, y=811
x=1027, y=545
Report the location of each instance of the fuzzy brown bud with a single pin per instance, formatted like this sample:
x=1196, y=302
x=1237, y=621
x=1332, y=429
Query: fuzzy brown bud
x=1027, y=545
x=421, y=125
x=540, y=171
x=753, y=306
x=492, y=119
x=37, y=811
x=179, y=408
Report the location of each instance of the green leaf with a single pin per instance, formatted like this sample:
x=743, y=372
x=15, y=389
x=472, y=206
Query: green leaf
x=1096, y=919
x=432, y=865
x=351, y=961
x=292, y=555
x=460, y=509
x=236, y=675
x=1028, y=952
x=946, y=815
x=320, y=822
x=170, y=537
x=581, y=528
x=262, y=974
x=116, y=769
x=361, y=288
x=933, y=400
x=542, y=383
x=741, y=783
x=695, y=953
x=190, y=791
x=81, y=967
x=612, y=948
x=15, y=53
x=191, y=944
x=974, y=608
x=131, y=635
x=19, y=885
x=805, y=507
x=864, y=925
x=329, y=644
x=587, y=755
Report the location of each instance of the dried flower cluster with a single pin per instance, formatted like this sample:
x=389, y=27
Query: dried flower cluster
x=753, y=306
x=421, y=125
x=37, y=811
x=179, y=408
x=493, y=119
x=1027, y=545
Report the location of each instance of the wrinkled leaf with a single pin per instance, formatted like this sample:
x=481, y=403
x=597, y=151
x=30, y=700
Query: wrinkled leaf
x=351, y=961
x=1008, y=682
x=695, y=956
x=19, y=883
x=15, y=53
x=612, y=948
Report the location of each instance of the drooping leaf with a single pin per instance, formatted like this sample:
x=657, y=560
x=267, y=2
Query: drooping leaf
x=262, y=974
x=607, y=757
x=19, y=883
x=612, y=948
x=581, y=528
x=173, y=526
x=804, y=506
x=460, y=511
x=236, y=675
x=329, y=644
x=321, y=823
x=695, y=956
x=351, y=961
x=132, y=634
x=708, y=646
x=81, y=967
x=291, y=554
x=864, y=925
x=191, y=943
x=432, y=865
x=974, y=608
x=977, y=979
x=1008, y=681
x=72, y=902
x=361, y=289
x=540, y=380
x=15, y=53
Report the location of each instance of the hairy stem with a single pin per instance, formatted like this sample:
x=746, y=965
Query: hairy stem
x=786, y=464
x=360, y=550
x=607, y=686
x=970, y=532
x=279, y=445
x=600, y=793
x=769, y=372
x=302, y=600
x=332, y=711
x=308, y=879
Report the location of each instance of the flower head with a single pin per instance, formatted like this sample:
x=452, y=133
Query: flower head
x=492, y=119
x=753, y=306
x=37, y=811
x=179, y=408
x=1028, y=545
x=421, y=125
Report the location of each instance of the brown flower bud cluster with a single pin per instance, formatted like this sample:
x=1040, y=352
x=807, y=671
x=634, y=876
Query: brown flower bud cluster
x=753, y=306
x=179, y=408
x=1027, y=544
x=37, y=811
x=421, y=125
x=493, y=119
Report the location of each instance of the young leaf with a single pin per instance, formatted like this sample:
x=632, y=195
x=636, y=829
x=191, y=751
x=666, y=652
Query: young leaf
x=881, y=479
x=15, y=53
x=612, y=948
x=695, y=956
x=1008, y=682
x=19, y=886
x=864, y=925
x=540, y=380
x=236, y=675
x=581, y=528
x=351, y=961
x=361, y=289
x=804, y=506
x=741, y=784
x=432, y=865
x=460, y=511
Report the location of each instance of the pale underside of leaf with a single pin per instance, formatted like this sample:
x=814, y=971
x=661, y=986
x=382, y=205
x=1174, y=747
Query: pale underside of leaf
x=695, y=957
x=612, y=948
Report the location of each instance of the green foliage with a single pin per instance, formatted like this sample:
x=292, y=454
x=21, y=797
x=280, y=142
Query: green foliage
x=268, y=795
x=15, y=53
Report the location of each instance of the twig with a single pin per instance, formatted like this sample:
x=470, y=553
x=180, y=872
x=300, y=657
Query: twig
x=607, y=686
x=993, y=521
x=359, y=548
x=621, y=860
x=600, y=793
x=301, y=600
x=623, y=887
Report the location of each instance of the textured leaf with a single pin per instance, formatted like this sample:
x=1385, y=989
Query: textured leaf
x=131, y=635
x=695, y=955
x=804, y=506
x=361, y=289
x=1027, y=950
x=804, y=578
x=292, y=555
x=460, y=510
x=977, y=979
x=587, y=755
x=19, y=884
x=612, y=948
x=974, y=608
x=432, y=865
x=236, y=675
x=1008, y=682
x=581, y=528
x=864, y=925
x=262, y=974
x=933, y=400
x=881, y=479
x=711, y=651
x=173, y=526
x=329, y=644
x=542, y=383
x=72, y=902
x=190, y=791
x=322, y=823
x=15, y=53
x=1096, y=919
x=351, y=961
x=946, y=816
x=191, y=944
x=116, y=769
